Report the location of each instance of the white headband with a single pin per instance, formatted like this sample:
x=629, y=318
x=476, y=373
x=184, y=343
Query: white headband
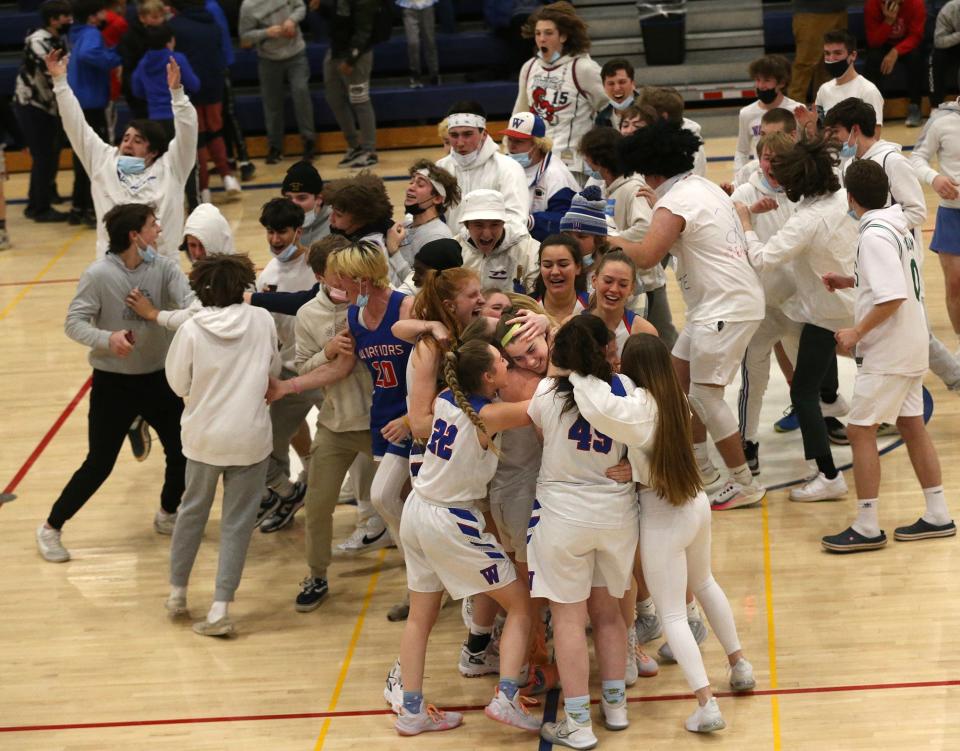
x=466, y=120
x=425, y=174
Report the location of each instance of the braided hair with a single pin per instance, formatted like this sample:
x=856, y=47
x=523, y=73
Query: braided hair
x=463, y=370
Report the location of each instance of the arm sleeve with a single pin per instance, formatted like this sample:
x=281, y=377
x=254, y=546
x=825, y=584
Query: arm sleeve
x=287, y=303
x=84, y=141
x=877, y=30
x=700, y=161
x=631, y=419
x=915, y=16
x=102, y=57
x=548, y=221
x=880, y=265
x=136, y=83
x=523, y=104
x=784, y=246
x=83, y=309
x=310, y=354
x=179, y=364
x=298, y=10
x=364, y=19
x=742, y=154
x=947, y=31
x=190, y=80
x=592, y=84
x=247, y=29
x=172, y=320
x=906, y=189
x=182, y=152
x=926, y=148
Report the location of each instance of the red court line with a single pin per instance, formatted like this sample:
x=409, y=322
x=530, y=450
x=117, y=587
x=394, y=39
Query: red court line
x=478, y=708
x=44, y=442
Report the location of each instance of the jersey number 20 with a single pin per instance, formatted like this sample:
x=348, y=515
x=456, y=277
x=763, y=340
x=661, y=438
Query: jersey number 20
x=386, y=375
x=441, y=442
x=587, y=438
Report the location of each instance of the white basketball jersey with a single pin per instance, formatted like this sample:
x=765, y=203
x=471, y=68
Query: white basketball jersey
x=456, y=468
x=573, y=482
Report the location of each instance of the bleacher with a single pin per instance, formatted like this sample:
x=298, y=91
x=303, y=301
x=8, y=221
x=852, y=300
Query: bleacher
x=722, y=37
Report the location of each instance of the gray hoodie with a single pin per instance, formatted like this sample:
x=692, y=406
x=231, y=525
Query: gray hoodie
x=98, y=309
x=256, y=16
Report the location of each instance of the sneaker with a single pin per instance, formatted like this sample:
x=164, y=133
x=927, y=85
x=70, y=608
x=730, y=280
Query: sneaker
x=309, y=150
x=512, y=711
x=614, y=715
x=924, y=530
x=697, y=628
x=75, y=217
x=709, y=474
x=475, y=664
x=741, y=676
x=914, y=118
x=819, y=488
x=220, y=627
x=836, y=431
x=163, y=523
x=365, y=159
x=49, y=545
x=247, y=171
x=312, y=591
x=851, y=541
x=734, y=495
x=542, y=678
x=90, y=219
x=267, y=504
x=706, y=719
x=231, y=186
x=789, y=422
x=274, y=156
x=751, y=450
x=284, y=513
x=50, y=216
x=400, y=611
x=393, y=690
x=176, y=606
x=647, y=667
x=569, y=733
x=428, y=719
x=886, y=429
x=837, y=408
x=372, y=536
x=415, y=83
x=350, y=156
x=648, y=627
x=139, y=436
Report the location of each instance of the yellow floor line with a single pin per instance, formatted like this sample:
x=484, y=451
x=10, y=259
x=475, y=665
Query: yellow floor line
x=771, y=629
x=43, y=272
x=357, y=628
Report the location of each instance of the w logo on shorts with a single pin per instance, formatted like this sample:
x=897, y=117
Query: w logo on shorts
x=491, y=574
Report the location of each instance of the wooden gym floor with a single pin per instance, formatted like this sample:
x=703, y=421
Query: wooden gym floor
x=857, y=652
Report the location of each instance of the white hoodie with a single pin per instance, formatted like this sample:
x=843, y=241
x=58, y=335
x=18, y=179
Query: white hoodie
x=495, y=171
x=219, y=361
x=499, y=269
x=940, y=139
x=700, y=158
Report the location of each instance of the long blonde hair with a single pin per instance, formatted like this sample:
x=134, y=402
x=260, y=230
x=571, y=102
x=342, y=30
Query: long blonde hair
x=463, y=370
x=673, y=468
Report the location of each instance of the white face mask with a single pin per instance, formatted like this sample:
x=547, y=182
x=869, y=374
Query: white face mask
x=620, y=106
x=309, y=217
x=465, y=160
x=553, y=58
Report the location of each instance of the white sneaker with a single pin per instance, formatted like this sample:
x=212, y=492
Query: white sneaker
x=231, y=186
x=706, y=719
x=819, y=488
x=428, y=719
x=163, y=523
x=648, y=627
x=709, y=474
x=512, y=712
x=838, y=409
x=176, y=605
x=741, y=676
x=569, y=733
x=614, y=715
x=371, y=536
x=393, y=690
x=697, y=628
x=49, y=545
x=734, y=495
x=475, y=664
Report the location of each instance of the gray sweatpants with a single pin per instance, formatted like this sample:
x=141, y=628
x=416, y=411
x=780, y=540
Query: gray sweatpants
x=242, y=488
x=419, y=25
x=285, y=418
x=658, y=313
x=349, y=98
x=296, y=70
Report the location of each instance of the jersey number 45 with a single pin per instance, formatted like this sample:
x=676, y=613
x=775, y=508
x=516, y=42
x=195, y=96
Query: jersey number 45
x=587, y=438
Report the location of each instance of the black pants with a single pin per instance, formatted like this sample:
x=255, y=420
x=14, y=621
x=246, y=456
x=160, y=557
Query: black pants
x=232, y=132
x=82, y=199
x=116, y=399
x=814, y=374
x=41, y=132
x=944, y=73
x=915, y=63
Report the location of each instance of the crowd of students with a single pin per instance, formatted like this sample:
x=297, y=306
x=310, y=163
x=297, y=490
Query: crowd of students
x=498, y=379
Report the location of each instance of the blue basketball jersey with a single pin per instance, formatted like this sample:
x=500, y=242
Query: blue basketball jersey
x=386, y=357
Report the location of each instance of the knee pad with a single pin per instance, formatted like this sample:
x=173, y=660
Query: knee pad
x=707, y=402
x=359, y=92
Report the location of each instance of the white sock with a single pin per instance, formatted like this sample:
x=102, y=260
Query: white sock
x=742, y=474
x=217, y=611
x=937, y=512
x=701, y=454
x=867, y=522
x=178, y=592
x=646, y=607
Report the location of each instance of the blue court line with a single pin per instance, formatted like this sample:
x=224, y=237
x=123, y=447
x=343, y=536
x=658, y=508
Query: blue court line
x=549, y=715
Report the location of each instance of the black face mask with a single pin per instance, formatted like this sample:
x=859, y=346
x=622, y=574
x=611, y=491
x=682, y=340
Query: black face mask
x=838, y=67
x=414, y=208
x=767, y=95
x=338, y=231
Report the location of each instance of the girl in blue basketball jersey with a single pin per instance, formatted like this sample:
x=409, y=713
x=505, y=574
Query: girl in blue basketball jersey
x=361, y=270
x=614, y=281
x=561, y=287
x=445, y=541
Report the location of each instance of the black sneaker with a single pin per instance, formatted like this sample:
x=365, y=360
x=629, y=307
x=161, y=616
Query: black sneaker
x=75, y=217
x=90, y=218
x=366, y=159
x=247, y=171
x=309, y=150
x=139, y=436
x=274, y=156
x=836, y=431
x=267, y=504
x=924, y=530
x=751, y=450
x=284, y=513
x=350, y=156
x=851, y=541
x=49, y=216
x=312, y=591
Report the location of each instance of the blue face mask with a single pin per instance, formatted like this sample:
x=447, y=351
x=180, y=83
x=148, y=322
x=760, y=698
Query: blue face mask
x=131, y=165
x=853, y=215
x=147, y=254
x=362, y=298
x=522, y=159
x=620, y=106
x=848, y=151
x=767, y=186
x=553, y=58
x=590, y=172
x=286, y=254
x=587, y=261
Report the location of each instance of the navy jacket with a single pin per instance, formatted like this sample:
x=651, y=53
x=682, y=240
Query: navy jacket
x=199, y=38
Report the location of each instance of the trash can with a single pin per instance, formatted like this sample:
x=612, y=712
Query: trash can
x=664, y=29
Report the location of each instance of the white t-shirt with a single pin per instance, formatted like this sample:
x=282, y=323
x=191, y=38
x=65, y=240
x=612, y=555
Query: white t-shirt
x=832, y=93
x=713, y=271
x=749, y=131
x=572, y=482
x=887, y=269
x=292, y=276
